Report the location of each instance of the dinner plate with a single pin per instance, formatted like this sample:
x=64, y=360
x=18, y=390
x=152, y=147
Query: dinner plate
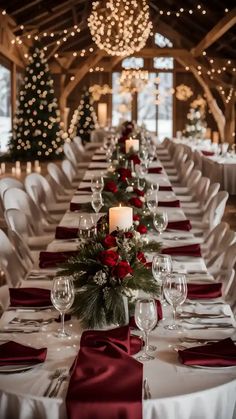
x=6, y=369
x=213, y=368
x=30, y=308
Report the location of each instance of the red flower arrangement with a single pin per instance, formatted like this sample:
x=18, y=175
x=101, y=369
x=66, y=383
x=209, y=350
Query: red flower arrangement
x=136, y=202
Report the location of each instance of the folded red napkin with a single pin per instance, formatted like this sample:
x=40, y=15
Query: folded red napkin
x=13, y=353
x=179, y=225
x=155, y=170
x=165, y=188
x=218, y=354
x=106, y=381
x=96, y=168
x=29, y=297
x=175, y=203
x=75, y=206
x=189, y=250
x=132, y=322
x=66, y=232
x=207, y=153
x=52, y=259
x=196, y=291
x=84, y=189
x=101, y=160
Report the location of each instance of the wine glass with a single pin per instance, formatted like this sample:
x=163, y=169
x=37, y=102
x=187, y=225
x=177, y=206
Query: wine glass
x=86, y=222
x=161, y=267
x=145, y=318
x=160, y=221
x=97, y=183
x=152, y=200
x=97, y=203
x=62, y=297
x=175, y=292
x=154, y=186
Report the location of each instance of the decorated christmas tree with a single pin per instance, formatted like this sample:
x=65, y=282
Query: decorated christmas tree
x=37, y=134
x=196, y=125
x=84, y=119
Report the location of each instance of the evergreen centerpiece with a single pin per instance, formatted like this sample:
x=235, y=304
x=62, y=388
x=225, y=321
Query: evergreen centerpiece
x=84, y=119
x=37, y=134
x=108, y=268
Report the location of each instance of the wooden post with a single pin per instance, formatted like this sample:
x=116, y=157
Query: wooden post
x=230, y=121
x=13, y=90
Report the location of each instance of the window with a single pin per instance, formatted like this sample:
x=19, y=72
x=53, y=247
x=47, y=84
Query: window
x=5, y=106
x=165, y=106
x=133, y=62
x=163, y=63
x=162, y=41
x=121, y=102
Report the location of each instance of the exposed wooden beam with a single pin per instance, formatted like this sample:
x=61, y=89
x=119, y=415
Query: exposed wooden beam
x=216, y=32
x=57, y=11
x=25, y=7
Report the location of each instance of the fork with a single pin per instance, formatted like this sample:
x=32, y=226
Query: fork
x=147, y=394
x=54, y=376
x=54, y=392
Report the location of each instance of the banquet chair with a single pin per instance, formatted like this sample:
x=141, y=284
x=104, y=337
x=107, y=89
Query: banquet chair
x=199, y=194
x=7, y=183
x=175, y=175
x=70, y=173
x=197, y=160
x=38, y=187
x=72, y=154
x=213, y=239
x=4, y=297
x=59, y=180
x=230, y=289
x=190, y=185
x=228, y=239
x=212, y=216
x=178, y=156
x=24, y=225
x=223, y=261
x=197, y=211
x=77, y=141
x=28, y=257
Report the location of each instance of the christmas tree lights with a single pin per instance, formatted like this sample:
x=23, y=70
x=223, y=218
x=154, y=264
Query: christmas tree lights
x=37, y=131
x=84, y=119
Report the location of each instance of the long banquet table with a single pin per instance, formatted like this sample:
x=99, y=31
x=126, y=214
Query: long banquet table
x=177, y=391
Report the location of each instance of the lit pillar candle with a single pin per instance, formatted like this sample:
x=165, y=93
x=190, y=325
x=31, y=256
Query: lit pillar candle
x=102, y=114
x=131, y=145
x=215, y=137
x=208, y=133
x=3, y=168
x=28, y=167
x=121, y=217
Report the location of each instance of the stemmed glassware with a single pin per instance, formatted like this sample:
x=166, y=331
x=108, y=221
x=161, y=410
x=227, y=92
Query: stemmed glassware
x=86, y=222
x=97, y=183
x=97, y=203
x=146, y=319
x=160, y=221
x=161, y=267
x=175, y=292
x=62, y=297
x=152, y=200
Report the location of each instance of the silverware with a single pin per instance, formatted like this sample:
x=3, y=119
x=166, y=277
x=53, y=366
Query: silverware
x=19, y=330
x=146, y=389
x=212, y=326
x=54, y=376
x=54, y=392
x=40, y=322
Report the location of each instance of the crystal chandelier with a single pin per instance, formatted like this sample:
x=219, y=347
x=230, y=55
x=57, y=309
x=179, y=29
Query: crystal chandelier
x=120, y=27
x=133, y=80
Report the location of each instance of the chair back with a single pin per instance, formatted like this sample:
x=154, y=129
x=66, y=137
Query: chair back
x=10, y=262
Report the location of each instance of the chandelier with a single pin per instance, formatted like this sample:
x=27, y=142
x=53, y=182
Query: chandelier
x=120, y=27
x=133, y=80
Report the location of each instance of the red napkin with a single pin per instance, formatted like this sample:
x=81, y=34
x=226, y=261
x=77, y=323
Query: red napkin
x=84, y=189
x=132, y=322
x=66, y=233
x=189, y=250
x=179, y=225
x=218, y=354
x=74, y=206
x=13, y=353
x=29, y=297
x=175, y=203
x=165, y=188
x=196, y=291
x=155, y=170
x=52, y=259
x=106, y=381
x=207, y=153
x=101, y=160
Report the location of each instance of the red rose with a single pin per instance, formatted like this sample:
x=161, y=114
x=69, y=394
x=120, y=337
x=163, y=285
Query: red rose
x=136, y=202
x=142, y=229
x=128, y=235
x=108, y=257
x=141, y=257
x=109, y=241
x=124, y=173
x=136, y=217
x=122, y=139
x=138, y=192
x=110, y=186
x=135, y=159
x=122, y=269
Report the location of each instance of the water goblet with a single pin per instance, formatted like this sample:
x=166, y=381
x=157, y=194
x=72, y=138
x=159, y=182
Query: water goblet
x=97, y=203
x=97, y=183
x=175, y=292
x=160, y=221
x=146, y=319
x=152, y=200
x=154, y=186
x=161, y=267
x=62, y=297
x=86, y=222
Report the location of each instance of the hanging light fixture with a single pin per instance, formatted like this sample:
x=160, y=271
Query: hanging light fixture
x=133, y=80
x=120, y=27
